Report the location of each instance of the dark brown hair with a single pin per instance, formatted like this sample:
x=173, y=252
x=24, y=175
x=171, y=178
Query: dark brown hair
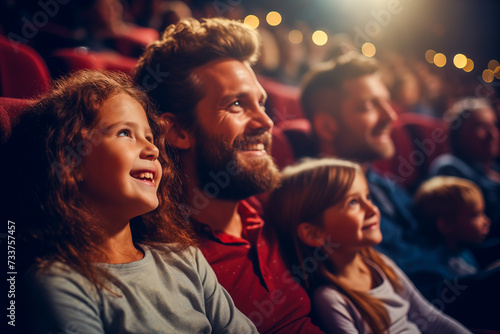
x=165, y=68
x=322, y=85
x=48, y=149
x=307, y=190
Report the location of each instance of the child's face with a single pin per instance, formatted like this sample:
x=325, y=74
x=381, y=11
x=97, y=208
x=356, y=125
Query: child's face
x=354, y=222
x=472, y=225
x=121, y=173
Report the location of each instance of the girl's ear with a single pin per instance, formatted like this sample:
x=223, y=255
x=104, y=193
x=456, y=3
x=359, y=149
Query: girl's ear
x=310, y=235
x=325, y=126
x=176, y=135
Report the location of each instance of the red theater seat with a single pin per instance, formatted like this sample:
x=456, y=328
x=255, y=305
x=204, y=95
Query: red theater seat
x=23, y=73
x=74, y=59
x=283, y=101
x=133, y=42
x=281, y=150
x=10, y=111
x=418, y=139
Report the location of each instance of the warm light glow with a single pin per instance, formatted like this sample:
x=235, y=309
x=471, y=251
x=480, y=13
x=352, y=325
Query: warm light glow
x=460, y=60
x=320, y=37
x=488, y=76
x=273, y=18
x=295, y=37
x=497, y=72
x=492, y=65
x=369, y=49
x=439, y=59
x=429, y=56
x=469, y=66
x=252, y=21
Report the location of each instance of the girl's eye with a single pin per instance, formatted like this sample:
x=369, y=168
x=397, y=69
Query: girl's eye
x=353, y=202
x=124, y=133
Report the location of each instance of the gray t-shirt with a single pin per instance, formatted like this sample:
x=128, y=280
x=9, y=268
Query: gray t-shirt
x=409, y=311
x=167, y=291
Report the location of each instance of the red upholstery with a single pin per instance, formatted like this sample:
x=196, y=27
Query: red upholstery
x=134, y=41
x=69, y=60
x=283, y=101
x=10, y=111
x=281, y=149
x=299, y=134
x=418, y=139
x=23, y=73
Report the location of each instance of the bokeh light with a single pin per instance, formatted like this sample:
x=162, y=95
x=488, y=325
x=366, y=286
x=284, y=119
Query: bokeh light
x=460, y=60
x=488, y=75
x=429, y=56
x=252, y=21
x=493, y=64
x=439, y=59
x=273, y=18
x=319, y=37
x=497, y=72
x=295, y=37
x=369, y=49
x=469, y=66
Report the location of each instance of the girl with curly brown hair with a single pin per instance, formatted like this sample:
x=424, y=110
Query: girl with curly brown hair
x=98, y=204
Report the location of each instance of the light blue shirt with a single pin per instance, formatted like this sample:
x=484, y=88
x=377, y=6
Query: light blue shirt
x=168, y=291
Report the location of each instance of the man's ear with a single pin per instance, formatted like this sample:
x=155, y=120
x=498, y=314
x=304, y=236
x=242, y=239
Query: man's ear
x=176, y=135
x=310, y=235
x=325, y=126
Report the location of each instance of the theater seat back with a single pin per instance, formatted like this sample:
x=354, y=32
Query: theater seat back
x=23, y=72
x=10, y=113
x=418, y=140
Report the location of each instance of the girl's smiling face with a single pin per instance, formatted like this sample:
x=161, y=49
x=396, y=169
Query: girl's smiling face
x=121, y=173
x=354, y=222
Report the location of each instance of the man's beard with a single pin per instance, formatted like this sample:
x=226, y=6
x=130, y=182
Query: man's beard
x=224, y=175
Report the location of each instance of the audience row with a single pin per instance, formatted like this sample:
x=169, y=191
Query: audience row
x=158, y=207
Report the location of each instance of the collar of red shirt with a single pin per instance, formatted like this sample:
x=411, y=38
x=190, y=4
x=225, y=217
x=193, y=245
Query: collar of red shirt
x=250, y=219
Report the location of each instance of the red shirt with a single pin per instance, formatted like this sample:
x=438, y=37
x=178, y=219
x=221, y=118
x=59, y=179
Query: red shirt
x=252, y=270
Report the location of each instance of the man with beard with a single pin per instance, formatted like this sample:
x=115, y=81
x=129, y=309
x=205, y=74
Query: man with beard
x=200, y=78
x=349, y=108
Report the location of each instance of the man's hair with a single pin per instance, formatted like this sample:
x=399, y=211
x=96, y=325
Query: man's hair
x=323, y=83
x=165, y=70
x=457, y=115
x=441, y=197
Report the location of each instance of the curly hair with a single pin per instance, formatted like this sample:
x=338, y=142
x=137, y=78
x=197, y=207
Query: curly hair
x=165, y=70
x=49, y=148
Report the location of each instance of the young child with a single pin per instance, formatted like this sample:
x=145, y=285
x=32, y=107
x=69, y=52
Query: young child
x=451, y=213
x=98, y=198
x=323, y=209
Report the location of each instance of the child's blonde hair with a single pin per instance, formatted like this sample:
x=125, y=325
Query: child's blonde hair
x=307, y=190
x=442, y=197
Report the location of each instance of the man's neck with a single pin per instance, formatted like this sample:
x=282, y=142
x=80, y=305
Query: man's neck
x=220, y=215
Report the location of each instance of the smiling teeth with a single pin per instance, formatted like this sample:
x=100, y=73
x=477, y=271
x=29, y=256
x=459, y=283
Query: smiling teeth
x=254, y=147
x=145, y=176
